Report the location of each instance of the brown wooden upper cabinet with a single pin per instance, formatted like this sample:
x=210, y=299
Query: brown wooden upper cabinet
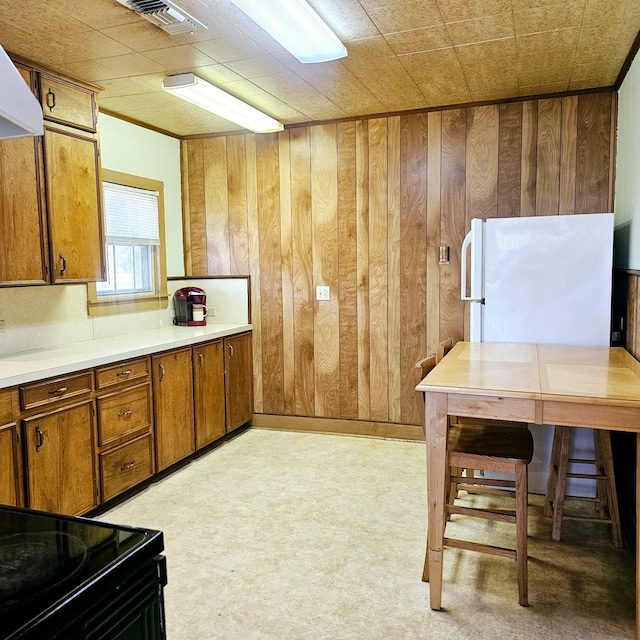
x=50, y=191
x=66, y=103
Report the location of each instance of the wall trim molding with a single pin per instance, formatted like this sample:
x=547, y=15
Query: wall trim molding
x=368, y=428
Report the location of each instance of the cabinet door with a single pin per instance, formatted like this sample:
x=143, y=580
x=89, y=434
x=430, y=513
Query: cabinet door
x=10, y=476
x=23, y=243
x=238, y=380
x=173, y=406
x=60, y=460
x=208, y=375
x=74, y=207
x=67, y=103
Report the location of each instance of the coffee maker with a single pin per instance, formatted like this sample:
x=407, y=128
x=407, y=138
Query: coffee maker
x=190, y=307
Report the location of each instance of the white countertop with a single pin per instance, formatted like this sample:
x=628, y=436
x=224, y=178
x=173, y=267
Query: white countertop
x=27, y=366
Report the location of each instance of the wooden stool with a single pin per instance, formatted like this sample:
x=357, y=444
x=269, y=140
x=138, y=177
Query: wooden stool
x=606, y=496
x=494, y=447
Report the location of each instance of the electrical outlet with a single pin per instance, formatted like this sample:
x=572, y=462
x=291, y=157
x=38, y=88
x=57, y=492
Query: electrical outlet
x=323, y=293
x=212, y=312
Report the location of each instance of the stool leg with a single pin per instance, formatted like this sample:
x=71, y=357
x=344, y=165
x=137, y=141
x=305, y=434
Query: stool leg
x=561, y=482
x=610, y=487
x=522, y=491
x=552, y=478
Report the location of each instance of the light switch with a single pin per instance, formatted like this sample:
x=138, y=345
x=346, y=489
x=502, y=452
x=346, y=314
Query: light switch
x=323, y=293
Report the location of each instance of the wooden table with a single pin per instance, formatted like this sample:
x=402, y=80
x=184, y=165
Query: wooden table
x=593, y=387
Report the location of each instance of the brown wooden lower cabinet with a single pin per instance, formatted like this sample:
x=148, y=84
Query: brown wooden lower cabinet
x=125, y=426
x=208, y=382
x=11, y=480
x=173, y=406
x=125, y=466
x=60, y=464
x=238, y=380
x=71, y=445
x=10, y=468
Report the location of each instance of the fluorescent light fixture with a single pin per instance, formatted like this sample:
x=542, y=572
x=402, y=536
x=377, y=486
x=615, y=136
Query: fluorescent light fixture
x=297, y=27
x=190, y=87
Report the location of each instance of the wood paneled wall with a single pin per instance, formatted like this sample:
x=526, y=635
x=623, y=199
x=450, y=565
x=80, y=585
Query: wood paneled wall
x=363, y=207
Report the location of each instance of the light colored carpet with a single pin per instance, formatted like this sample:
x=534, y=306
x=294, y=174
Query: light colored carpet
x=281, y=535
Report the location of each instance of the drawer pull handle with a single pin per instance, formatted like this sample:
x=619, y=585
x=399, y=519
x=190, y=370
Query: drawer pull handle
x=57, y=392
x=63, y=268
x=126, y=467
x=51, y=100
x=124, y=414
x=124, y=373
x=40, y=437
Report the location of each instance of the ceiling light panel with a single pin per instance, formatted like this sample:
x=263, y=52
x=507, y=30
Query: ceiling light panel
x=297, y=27
x=203, y=94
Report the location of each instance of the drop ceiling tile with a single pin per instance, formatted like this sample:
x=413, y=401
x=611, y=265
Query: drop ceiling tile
x=481, y=29
x=403, y=17
x=548, y=41
x=416, y=40
x=120, y=87
x=543, y=76
x=264, y=65
x=548, y=18
x=429, y=66
x=180, y=58
x=542, y=89
x=98, y=15
x=496, y=54
x=454, y=10
x=348, y=19
x=227, y=46
x=553, y=60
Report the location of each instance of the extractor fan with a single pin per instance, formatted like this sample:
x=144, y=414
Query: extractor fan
x=165, y=14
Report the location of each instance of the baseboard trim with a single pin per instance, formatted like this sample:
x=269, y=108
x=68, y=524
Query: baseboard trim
x=368, y=428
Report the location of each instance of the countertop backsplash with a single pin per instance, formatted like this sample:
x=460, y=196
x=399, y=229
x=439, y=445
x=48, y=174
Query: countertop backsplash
x=50, y=316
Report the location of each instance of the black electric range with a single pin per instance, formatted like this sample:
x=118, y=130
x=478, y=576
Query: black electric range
x=74, y=578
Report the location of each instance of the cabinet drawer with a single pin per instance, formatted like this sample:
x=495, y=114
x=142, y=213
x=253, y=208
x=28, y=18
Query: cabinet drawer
x=55, y=391
x=67, y=103
x=125, y=466
x=123, y=414
x=132, y=370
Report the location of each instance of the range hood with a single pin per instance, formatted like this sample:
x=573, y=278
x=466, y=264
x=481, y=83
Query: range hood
x=20, y=111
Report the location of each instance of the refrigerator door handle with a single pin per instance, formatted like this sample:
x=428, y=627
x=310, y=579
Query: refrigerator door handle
x=472, y=241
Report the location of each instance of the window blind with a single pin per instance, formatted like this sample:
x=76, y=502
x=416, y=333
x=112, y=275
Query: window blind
x=131, y=214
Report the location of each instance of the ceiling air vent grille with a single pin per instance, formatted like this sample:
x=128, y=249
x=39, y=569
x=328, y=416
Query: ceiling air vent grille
x=165, y=14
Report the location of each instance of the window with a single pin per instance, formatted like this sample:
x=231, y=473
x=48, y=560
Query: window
x=134, y=229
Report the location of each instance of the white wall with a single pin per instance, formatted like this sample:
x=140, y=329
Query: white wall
x=138, y=151
x=627, y=189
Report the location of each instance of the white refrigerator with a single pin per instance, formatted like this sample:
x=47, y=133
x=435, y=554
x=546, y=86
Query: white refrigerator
x=542, y=279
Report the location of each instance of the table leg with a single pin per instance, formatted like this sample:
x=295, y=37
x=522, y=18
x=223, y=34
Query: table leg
x=436, y=423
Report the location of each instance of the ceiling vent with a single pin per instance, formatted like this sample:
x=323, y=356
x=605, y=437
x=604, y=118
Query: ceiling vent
x=165, y=14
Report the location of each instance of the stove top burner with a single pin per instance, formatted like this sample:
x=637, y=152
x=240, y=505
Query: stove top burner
x=32, y=564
